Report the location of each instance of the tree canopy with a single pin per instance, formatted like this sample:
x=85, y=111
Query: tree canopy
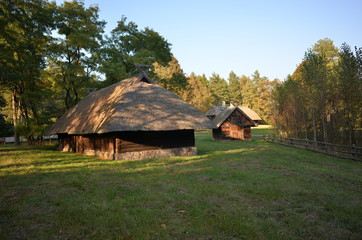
x=127, y=45
x=54, y=55
x=322, y=99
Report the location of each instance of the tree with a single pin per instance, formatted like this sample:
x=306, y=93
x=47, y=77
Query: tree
x=322, y=96
x=25, y=27
x=248, y=91
x=219, y=89
x=51, y=57
x=6, y=129
x=128, y=46
x=170, y=76
x=326, y=48
x=262, y=95
x=235, y=92
x=256, y=92
x=197, y=93
x=313, y=81
x=288, y=108
x=74, y=53
x=349, y=89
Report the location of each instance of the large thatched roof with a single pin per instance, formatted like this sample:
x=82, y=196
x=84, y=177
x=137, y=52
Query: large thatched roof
x=134, y=104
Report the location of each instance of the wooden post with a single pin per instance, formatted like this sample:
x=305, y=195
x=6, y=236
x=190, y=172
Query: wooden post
x=354, y=151
x=15, y=119
x=116, y=147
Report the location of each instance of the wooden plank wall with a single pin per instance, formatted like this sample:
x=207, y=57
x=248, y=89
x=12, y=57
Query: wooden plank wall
x=236, y=126
x=127, y=141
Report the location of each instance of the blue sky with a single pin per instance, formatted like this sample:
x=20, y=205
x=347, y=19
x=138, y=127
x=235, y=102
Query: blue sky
x=241, y=36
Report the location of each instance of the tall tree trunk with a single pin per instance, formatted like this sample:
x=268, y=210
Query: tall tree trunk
x=76, y=99
x=325, y=136
x=67, y=98
x=15, y=120
x=305, y=127
x=314, y=126
x=351, y=130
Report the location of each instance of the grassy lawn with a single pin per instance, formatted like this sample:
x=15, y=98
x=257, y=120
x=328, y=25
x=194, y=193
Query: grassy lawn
x=262, y=130
x=231, y=190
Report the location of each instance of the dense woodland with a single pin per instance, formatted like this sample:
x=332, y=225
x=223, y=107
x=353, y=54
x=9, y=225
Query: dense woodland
x=54, y=55
x=322, y=99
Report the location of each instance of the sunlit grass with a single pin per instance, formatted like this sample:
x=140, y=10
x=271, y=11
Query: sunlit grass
x=263, y=130
x=231, y=190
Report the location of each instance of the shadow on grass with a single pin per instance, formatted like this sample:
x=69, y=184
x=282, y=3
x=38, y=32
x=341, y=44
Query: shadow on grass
x=231, y=190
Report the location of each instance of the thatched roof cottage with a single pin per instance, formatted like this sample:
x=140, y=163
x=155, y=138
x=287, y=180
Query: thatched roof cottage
x=233, y=123
x=132, y=119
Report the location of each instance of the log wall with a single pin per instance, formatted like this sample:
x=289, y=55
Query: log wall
x=235, y=127
x=113, y=145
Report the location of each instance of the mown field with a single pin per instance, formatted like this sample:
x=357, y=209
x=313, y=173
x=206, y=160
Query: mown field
x=231, y=190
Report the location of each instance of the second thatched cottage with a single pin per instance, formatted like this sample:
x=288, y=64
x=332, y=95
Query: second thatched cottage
x=233, y=123
x=132, y=119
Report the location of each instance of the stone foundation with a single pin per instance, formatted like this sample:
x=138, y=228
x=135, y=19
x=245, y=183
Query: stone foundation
x=159, y=153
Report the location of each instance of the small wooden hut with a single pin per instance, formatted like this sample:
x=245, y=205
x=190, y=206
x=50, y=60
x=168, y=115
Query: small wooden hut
x=132, y=119
x=251, y=114
x=233, y=123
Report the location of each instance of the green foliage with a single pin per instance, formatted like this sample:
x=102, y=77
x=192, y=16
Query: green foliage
x=74, y=54
x=6, y=128
x=235, y=91
x=326, y=48
x=24, y=36
x=289, y=109
x=349, y=88
x=256, y=92
x=128, y=46
x=321, y=100
x=51, y=57
x=219, y=89
x=248, y=91
x=170, y=76
x=197, y=93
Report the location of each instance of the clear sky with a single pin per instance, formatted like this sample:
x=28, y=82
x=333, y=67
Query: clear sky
x=241, y=36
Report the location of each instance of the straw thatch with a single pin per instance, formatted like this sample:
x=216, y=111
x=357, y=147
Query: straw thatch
x=221, y=113
x=216, y=110
x=250, y=113
x=134, y=104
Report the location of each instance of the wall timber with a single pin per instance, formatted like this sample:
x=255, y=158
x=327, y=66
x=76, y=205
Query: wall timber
x=120, y=145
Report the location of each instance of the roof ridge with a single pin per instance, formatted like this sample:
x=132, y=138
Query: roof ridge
x=144, y=77
x=221, y=118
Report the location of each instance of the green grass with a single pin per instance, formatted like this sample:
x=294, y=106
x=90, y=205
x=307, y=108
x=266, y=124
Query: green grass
x=263, y=130
x=231, y=190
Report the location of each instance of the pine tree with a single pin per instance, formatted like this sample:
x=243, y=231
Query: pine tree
x=171, y=76
x=235, y=89
x=197, y=93
x=349, y=91
x=219, y=89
